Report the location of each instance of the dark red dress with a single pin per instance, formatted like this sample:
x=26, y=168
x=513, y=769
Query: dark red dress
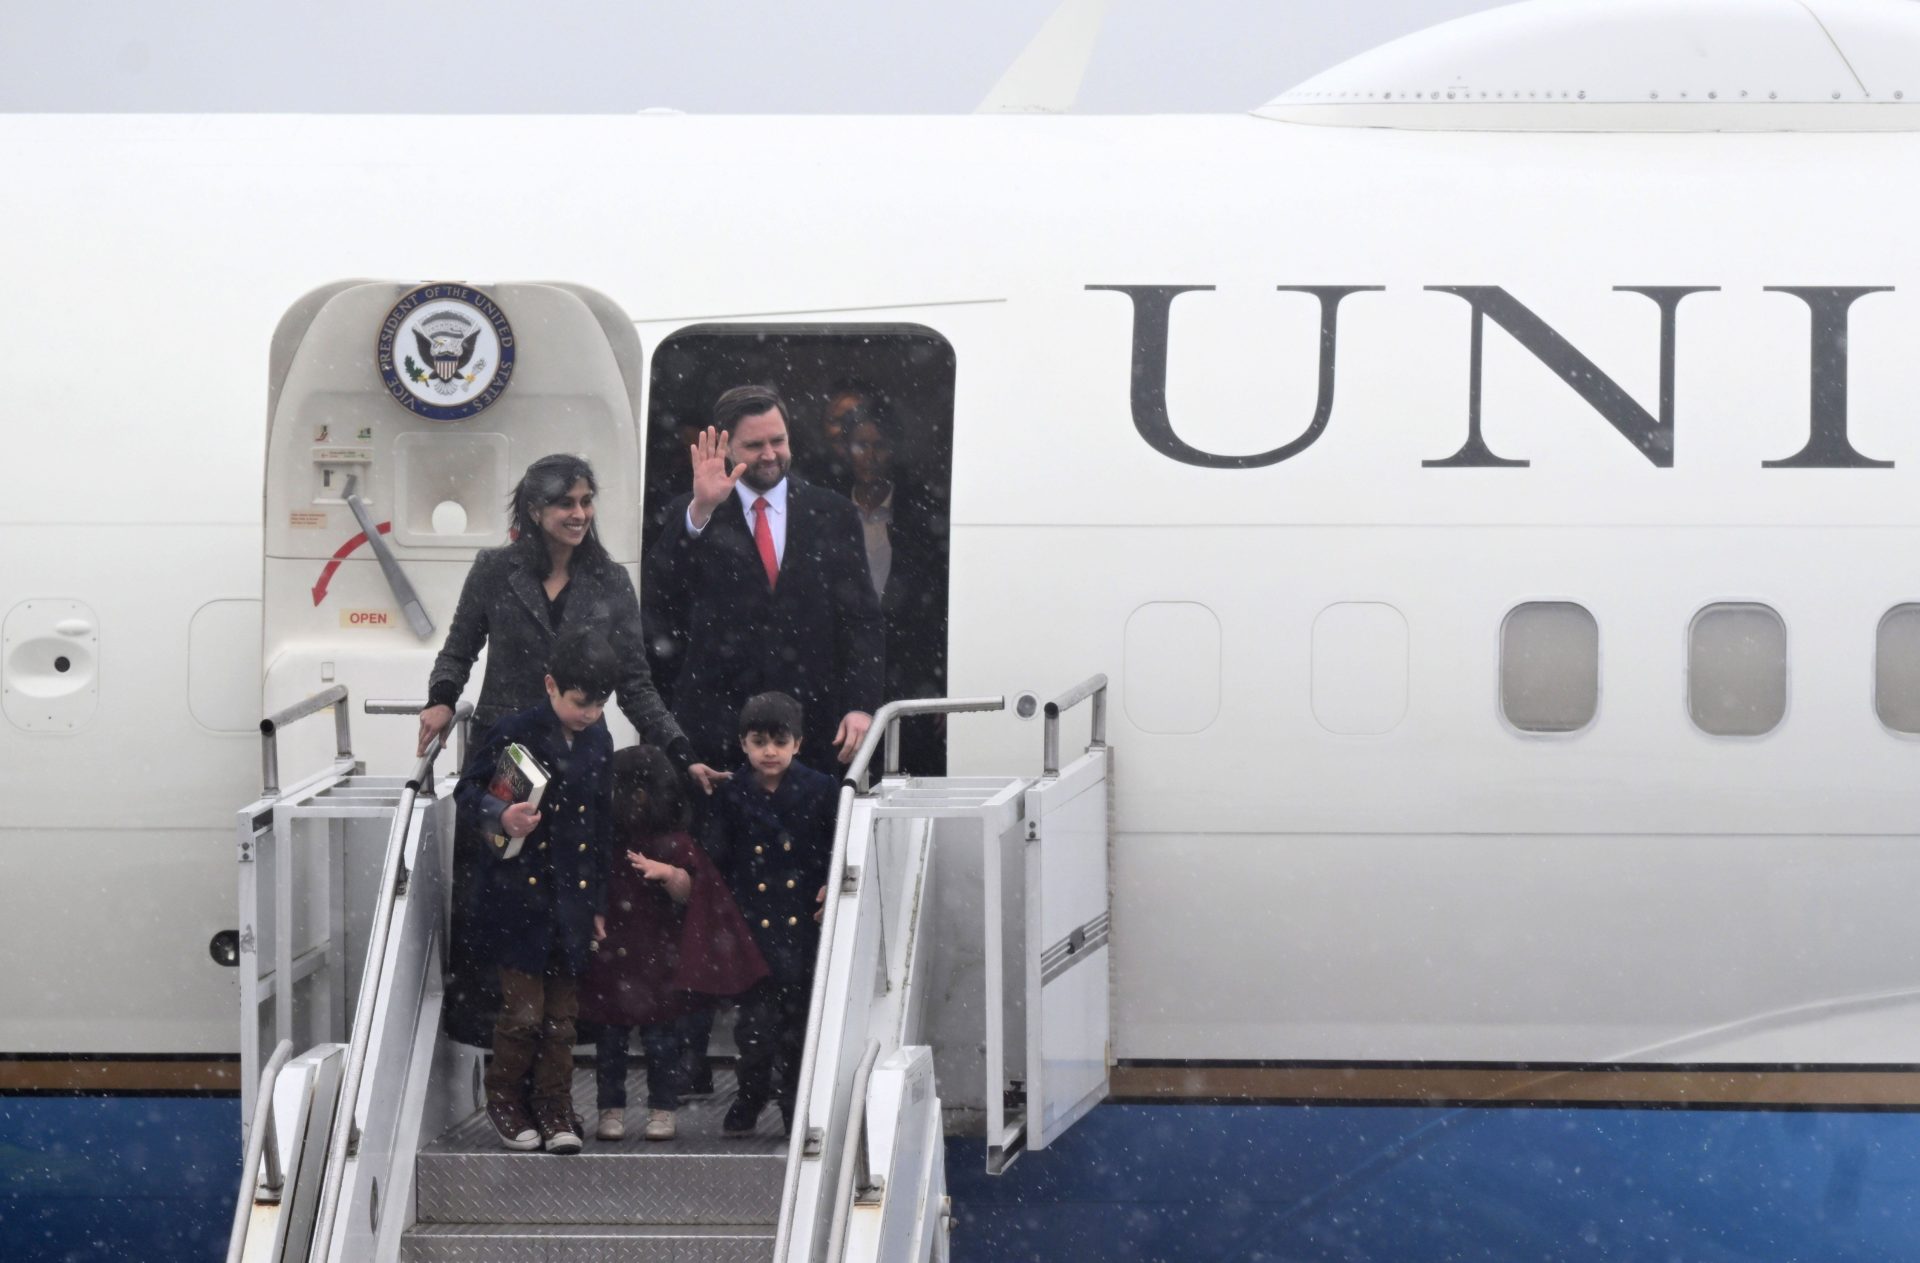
x=661, y=959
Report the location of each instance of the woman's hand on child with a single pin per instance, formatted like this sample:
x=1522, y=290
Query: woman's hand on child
x=599, y=927
x=519, y=820
x=821, y=899
x=706, y=778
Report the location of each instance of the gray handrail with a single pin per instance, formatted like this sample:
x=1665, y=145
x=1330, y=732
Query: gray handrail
x=852, y=786
x=387, y=706
x=1094, y=686
x=336, y=697
x=342, y=1136
x=261, y=1138
x=886, y=726
x=855, y=1153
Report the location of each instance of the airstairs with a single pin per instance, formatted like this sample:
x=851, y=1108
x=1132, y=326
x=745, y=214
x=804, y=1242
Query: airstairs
x=961, y=988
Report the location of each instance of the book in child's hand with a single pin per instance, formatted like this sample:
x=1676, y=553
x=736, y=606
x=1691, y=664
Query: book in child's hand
x=517, y=778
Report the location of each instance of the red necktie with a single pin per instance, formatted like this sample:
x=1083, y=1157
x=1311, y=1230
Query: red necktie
x=763, y=540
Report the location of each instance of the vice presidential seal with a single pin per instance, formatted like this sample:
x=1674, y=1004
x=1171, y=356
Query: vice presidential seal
x=445, y=351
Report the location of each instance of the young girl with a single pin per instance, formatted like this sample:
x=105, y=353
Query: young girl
x=674, y=939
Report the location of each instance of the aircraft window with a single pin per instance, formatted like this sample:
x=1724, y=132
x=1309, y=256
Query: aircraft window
x=1172, y=679
x=1359, y=668
x=1549, y=667
x=1896, y=669
x=1737, y=670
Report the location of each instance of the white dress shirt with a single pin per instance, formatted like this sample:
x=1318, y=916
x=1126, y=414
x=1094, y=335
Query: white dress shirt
x=776, y=515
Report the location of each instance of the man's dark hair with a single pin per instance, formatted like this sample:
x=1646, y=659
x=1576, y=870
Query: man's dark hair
x=774, y=715
x=748, y=401
x=584, y=660
x=647, y=794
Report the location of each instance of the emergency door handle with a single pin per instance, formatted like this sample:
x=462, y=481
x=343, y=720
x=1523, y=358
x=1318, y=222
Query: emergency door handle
x=389, y=564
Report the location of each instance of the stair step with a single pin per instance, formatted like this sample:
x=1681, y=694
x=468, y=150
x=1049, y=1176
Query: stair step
x=599, y=1188
x=585, y=1243
x=699, y=1178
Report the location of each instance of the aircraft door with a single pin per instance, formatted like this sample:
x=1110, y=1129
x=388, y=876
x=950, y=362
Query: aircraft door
x=400, y=417
x=1067, y=925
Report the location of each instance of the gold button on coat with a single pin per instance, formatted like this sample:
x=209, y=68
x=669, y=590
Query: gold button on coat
x=789, y=883
x=793, y=920
x=764, y=923
x=759, y=850
x=533, y=881
x=786, y=846
x=583, y=809
x=583, y=885
x=583, y=846
x=763, y=885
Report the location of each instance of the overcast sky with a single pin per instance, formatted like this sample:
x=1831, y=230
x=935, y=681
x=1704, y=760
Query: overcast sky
x=706, y=56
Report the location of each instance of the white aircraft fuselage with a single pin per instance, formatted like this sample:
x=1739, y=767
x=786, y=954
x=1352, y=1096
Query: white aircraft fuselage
x=1274, y=424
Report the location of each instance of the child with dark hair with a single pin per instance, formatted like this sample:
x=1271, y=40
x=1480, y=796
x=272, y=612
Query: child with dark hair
x=674, y=940
x=539, y=912
x=771, y=832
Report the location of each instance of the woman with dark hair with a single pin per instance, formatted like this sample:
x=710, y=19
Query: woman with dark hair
x=554, y=576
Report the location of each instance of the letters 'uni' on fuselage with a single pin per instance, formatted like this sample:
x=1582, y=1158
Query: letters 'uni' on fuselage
x=1651, y=433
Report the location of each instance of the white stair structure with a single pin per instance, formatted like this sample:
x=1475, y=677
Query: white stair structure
x=962, y=984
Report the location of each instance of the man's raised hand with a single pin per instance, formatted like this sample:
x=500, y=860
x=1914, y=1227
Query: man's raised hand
x=712, y=484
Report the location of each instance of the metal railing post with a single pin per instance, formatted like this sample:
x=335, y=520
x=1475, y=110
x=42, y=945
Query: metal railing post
x=1095, y=687
x=336, y=697
x=262, y=1137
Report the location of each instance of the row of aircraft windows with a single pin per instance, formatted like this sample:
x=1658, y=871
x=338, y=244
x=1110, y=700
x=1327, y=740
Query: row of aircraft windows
x=1736, y=668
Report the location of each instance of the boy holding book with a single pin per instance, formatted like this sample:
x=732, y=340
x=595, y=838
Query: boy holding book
x=542, y=903
x=771, y=833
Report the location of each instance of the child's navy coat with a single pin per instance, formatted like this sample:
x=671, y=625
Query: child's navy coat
x=774, y=849
x=540, y=904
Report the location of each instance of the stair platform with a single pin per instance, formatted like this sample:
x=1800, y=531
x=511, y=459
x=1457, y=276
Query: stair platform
x=699, y=1198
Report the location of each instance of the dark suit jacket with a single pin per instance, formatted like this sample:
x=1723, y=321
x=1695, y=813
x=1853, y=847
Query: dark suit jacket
x=541, y=903
x=503, y=606
x=816, y=635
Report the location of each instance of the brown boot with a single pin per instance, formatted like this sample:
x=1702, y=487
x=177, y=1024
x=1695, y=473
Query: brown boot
x=513, y=1051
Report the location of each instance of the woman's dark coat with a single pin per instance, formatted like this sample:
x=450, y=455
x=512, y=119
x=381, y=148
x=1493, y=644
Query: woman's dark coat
x=536, y=910
x=661, y=959
x=504, y=608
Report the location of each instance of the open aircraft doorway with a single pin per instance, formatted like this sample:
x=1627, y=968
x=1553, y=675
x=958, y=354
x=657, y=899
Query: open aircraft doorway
x=872, y=419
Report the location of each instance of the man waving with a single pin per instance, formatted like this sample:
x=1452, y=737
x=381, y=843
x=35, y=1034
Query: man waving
x=760, y=584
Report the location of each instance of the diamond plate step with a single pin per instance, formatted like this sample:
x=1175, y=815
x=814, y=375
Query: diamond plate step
x=699, y=1178
x=596, y=1243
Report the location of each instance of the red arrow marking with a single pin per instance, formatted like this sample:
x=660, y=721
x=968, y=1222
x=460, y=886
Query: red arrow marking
x=340, y=554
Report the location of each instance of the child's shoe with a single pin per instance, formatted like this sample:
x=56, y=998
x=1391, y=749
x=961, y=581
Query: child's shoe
x=741, y=1117
x=660, y=1125
x=557, y=1132
x=513, y=1124
x=613, y=1125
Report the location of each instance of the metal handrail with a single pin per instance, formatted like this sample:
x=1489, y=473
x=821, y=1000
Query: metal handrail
x=336, y=697
x=852, y=786
x=388, y=706
x=262, y=1137
x=856, y=1153
x=1094, y=686
x=886, y=725
x=343, y=1134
